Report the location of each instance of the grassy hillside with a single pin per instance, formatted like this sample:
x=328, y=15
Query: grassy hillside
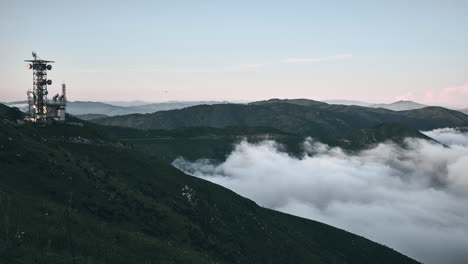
x=72, y=194
x=299, y=117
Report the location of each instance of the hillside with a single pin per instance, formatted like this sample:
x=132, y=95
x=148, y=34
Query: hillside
x=365, y=138
x=10, y=113
x=194, y=143
x=72, y=194
x=400, y=106
x=90, y=116
x=304, y=118
x=465, y=111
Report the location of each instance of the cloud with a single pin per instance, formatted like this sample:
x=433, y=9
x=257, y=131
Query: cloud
x=449, y=136
x=405, y=97
x=414, y=200
x=449, y=96
x=320, y=59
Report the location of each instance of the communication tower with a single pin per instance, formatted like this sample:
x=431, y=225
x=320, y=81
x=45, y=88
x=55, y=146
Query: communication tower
x=40, y=109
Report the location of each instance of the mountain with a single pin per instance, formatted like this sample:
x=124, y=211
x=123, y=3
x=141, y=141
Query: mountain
x=22, y=105
x=87, y=107
x=303, y=102
x=154, y=107
x=347, y=102
x=10, y=113
x=400, y=106
x=127, y=103
x=465, y=111
x=71, y=194
x=90, y=116
x=194, y=143
x=365, y=138
x=300, y=117
x=82, y=108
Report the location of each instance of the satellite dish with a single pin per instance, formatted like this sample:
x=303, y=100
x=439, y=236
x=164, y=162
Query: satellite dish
x=49, y=82
x=29, y=66
x=49, y=67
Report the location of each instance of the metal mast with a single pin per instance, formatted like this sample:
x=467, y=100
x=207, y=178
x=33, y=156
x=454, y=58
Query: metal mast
x=37, y=96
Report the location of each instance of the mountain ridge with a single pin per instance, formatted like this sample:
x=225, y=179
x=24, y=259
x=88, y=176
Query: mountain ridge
x=109, y=109
x=310, y=118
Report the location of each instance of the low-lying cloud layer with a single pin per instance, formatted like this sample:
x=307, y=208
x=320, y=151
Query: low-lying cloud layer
x=414, y=200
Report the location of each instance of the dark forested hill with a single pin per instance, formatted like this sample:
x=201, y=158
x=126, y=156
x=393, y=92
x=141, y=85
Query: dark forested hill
x=72, y=194
x=364, y=138
x=193, y=143
x=300, y=117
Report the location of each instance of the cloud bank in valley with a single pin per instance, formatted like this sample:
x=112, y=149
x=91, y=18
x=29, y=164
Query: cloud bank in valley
x=414, y=200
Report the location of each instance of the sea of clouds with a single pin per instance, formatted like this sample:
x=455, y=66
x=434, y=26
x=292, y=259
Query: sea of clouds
x=413, y=199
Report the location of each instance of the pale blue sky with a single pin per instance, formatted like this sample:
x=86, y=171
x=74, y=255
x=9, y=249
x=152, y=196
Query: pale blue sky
x=375, y=51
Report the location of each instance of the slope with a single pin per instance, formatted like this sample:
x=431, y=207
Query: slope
x=72, y=194
x=365, y=138
x=193, y=143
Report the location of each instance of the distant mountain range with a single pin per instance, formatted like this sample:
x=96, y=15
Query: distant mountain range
x=347, y=102
x=90, y=116
x=297, y=116
x=86, y=108
x=81, y=108
x=400, y=106
x=396, y=106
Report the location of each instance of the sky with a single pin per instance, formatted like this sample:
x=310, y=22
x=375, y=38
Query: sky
x=374, y=51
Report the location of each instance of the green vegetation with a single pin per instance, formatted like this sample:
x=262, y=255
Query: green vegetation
x=368, y=137
x=194, y=143
x=302, y=117
x=90, y=116
x=72, y=194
